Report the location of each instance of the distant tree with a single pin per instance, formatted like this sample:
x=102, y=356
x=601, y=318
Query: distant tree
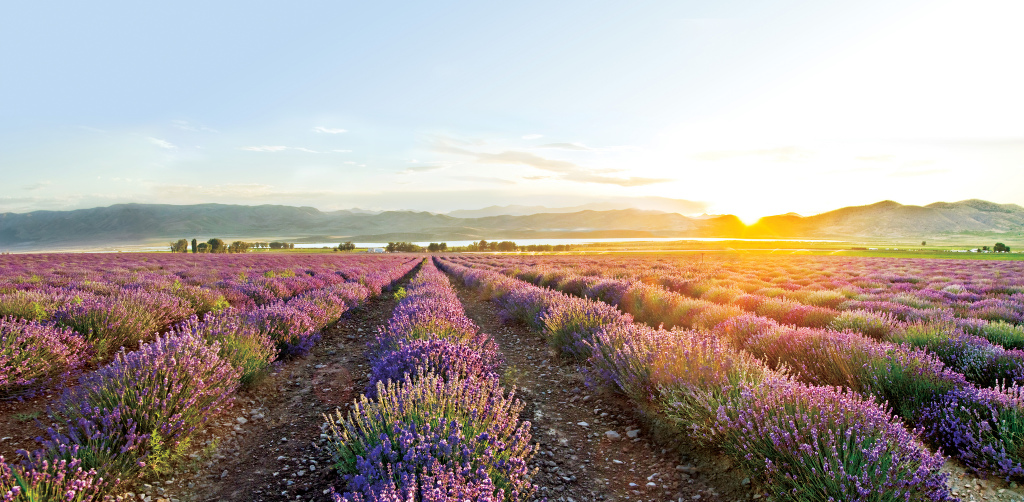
x=217, y=245
x=194, y=246
x=482, y=245
x=504, y=246
x=179, y=247
x=203, y=248
x=924, y=243
x=276, y=245
x=405, y=247
x=239, y=247
x=291, y=245
x=444, y=246
x=1001, y=248
x=346, y=246
x=984, y=248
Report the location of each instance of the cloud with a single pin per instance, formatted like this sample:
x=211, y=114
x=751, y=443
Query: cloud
x=876, y=158
x=36, y=186
x=533, y=136
x=328, y=130
x=184, y=125
x=537, y=177
x=924, y=172
x=568, y=171
x=276, y=148
x=781, y=154
x=484, y=179
x=421, y=169
x=342, y=151
x=161, y=143
x=566, y=146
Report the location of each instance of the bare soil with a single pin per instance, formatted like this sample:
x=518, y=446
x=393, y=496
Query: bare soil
x=21, y=422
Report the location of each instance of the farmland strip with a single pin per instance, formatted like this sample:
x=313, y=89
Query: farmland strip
x=702, y=387
x=914, y=382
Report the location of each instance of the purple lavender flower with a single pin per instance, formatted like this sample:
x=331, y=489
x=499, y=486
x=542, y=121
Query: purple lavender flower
x=467, y=425
x=166, y=388
x=441, y=357
x=34, y=354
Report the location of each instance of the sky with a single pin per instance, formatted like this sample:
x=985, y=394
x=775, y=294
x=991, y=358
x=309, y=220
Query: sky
x=748, y=107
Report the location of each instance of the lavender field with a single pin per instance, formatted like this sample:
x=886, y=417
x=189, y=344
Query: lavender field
x=810, y=378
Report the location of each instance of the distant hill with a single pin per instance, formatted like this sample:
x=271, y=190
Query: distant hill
x=660, y=204
x=139, y=223
x=888, y=219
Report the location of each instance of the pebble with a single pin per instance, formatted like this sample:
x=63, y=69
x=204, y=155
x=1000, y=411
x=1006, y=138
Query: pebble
x=582, y=424
x=224, y=474
x=241, y=421
x=613, y=435
x=633, y=433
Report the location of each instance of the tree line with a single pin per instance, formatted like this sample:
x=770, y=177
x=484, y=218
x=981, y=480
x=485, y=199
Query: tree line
x=482, y=245
x=219, y=246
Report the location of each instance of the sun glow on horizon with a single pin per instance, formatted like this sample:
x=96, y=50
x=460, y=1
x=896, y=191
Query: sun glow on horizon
x=749, y=219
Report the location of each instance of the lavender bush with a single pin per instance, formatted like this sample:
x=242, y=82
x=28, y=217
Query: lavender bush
x=165, y=389
x=44, y=480
x=570, y=325
x=291, y=329
x=242, y=344
x=440, y=357
x=34, y=354
x=436, y=483
x=985, y=427
x=822, y=443
x=464, y=424
x=112, y=322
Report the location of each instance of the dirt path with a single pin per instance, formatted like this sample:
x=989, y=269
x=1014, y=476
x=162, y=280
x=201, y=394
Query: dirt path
x=591, y=445
x=268, y=450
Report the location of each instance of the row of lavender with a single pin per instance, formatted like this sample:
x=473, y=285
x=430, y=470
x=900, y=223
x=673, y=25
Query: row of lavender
x=812, y=291
x=981, y=429
x=139, y=413
x=58, y=313
x=434, y=423
x=804, y=442
x=953, y=340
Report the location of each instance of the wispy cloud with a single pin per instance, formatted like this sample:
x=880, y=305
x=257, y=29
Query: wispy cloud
x=532, y=136
x=421, y=169
x=36, y=186
x=567, y=171
x=161, y=143
x=484, y=179
x=876, y=158
x=184, y=125
x=923, y=172
x=329, y=130
x=566, y=146
x=276, y=148
x=781, y=154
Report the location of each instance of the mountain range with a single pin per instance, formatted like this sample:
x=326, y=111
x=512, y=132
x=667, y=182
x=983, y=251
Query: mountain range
x=140, y=223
